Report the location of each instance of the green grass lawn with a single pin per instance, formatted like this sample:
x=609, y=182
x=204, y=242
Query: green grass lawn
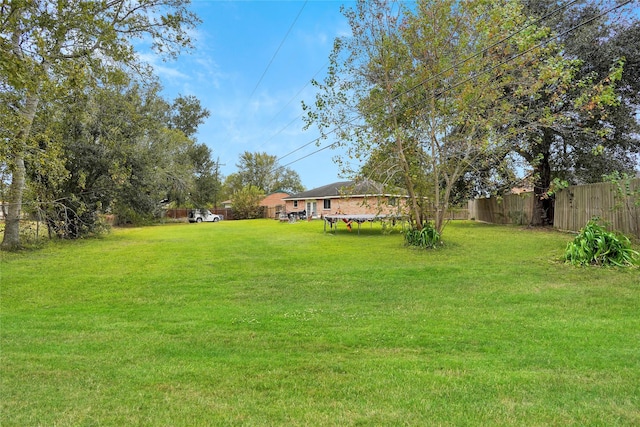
x=268, y=323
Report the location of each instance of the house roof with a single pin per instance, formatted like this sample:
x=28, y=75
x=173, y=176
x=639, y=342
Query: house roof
x=341, y=189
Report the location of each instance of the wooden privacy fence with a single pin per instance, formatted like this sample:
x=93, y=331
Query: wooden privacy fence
x=176, y=213
x=271, y=212
x=574, y=207
x=577, y=204
x=509, y=209
x=454, y=213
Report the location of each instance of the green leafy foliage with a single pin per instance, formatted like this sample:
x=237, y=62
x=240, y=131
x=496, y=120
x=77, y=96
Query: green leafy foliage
x=594, y=245
x=50, y=50
x=261, y=170
x=246, y=202
x=592, y=124
x=427, y=237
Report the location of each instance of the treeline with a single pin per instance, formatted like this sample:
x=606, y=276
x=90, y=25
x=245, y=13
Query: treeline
x=116, y=149
x=84, y=127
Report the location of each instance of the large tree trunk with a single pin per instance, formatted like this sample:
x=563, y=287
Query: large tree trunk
x=11, y=240
x=543, y=203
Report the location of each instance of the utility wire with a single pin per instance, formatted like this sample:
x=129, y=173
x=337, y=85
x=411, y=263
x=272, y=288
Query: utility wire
x=273, y=57
x=472, y=77
x=483, y=51
x=300, y=91
x=277, y=50
x=244, y=107
x=308, y=155
x=287, y=104
x=539, y=45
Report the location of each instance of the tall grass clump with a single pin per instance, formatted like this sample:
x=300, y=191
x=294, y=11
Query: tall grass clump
x=594, y=245
x=425, y=238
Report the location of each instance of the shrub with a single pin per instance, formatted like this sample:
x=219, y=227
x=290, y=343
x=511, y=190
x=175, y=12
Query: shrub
x=426, y=238
x=246, y=202
x=594, y=245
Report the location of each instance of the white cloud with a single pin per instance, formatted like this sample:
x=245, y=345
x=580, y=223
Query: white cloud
x=165, y=72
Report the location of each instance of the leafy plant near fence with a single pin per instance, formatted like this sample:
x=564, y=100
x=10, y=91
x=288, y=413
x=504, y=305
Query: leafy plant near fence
x=425, y=238
x=627, y=198
x=594, y=245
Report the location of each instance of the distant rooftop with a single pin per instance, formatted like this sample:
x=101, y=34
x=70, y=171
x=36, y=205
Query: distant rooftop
x=341, y=189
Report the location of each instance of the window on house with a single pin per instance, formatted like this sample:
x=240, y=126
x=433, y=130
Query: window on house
x=392, y=201
x=295, y=203
x=327, y=204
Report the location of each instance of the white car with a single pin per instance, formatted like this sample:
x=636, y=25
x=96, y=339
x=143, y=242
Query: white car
x=203, y=215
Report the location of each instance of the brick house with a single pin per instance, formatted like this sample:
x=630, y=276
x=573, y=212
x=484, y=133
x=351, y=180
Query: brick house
x=274, y=203
x=346, y=197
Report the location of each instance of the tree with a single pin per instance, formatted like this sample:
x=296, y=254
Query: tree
x=410, y=94
x=187, y=114
x=207, y=184
x=455, y=115
x=120, y=156
x=586, y=140
x=246, y=202
x=442, y=92
x=360, y=98
x=261, y=170
x=44, y=42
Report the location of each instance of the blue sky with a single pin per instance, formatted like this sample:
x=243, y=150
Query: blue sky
x=234, y=46
x=251, y=68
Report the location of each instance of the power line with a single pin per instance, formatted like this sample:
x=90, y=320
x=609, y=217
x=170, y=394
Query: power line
x=273, y=58
x=310, y=154
x=287, y=104
x=277, y=50
x=470, y=78
x=541, y=44
x=300, y=91
x=483, y=51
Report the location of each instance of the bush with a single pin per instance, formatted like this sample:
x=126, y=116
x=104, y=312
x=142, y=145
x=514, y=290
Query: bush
x=594, y=245
x=246, y=202
x=426, y=238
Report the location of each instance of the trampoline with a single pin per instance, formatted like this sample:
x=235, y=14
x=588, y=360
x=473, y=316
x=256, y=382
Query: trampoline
x=334, y=220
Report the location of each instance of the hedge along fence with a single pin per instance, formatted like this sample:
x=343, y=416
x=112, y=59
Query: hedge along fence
x=616, y=205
